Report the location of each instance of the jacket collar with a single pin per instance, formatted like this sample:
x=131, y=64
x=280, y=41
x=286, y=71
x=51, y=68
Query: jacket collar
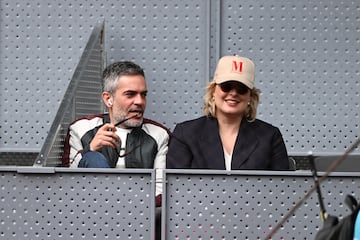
x=246, y=143
x=212, y=149
x=210, y=145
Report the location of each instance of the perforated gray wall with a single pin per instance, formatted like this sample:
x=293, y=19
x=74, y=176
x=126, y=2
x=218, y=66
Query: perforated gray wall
x=307, y=56
x=248, y=205
x=75, y=204
x=170, y=39
x=41, y=43
x=61, y=203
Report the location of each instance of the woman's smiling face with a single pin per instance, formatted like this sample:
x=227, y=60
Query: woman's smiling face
x=231, y=98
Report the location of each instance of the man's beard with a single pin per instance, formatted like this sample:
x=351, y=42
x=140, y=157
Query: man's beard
x=131, y=124
x=128, y=123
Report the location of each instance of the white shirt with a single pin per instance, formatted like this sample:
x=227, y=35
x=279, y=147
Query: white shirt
x=228, y=158
x=122, y=133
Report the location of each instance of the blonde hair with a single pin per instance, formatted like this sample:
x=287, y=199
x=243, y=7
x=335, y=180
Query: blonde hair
x=209, y=104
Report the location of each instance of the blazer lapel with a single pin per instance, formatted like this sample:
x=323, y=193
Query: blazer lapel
x=246, y=143
x=210, y=145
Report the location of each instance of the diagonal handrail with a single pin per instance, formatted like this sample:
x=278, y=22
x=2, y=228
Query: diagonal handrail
x=329, y=170
x=71, y=105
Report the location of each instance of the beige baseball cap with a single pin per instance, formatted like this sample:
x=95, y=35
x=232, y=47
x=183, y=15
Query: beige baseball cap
x=235, y=68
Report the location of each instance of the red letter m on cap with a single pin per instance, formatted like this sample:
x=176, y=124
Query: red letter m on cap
x=237, y=67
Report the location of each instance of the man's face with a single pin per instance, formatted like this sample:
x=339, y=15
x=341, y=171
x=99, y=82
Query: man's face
x=129, y=100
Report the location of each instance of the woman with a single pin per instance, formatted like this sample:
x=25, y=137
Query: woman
x=229, y=136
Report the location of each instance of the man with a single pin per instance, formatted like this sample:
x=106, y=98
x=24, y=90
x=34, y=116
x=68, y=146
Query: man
x=122, y=138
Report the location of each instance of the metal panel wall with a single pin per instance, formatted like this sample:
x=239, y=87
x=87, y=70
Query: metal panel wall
x=54, y=203
x=48, y=203
x=41, y=44
x=307, y=60
x=249, y=204
x=307, y=56
x=81, y=98
x=170, y=39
